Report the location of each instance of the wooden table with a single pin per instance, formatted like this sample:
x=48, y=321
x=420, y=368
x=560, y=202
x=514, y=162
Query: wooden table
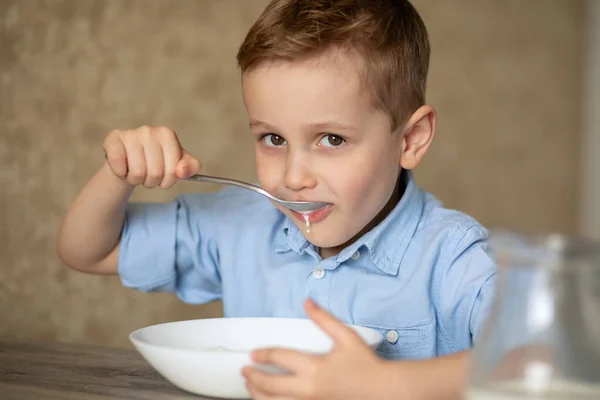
x=52, y=371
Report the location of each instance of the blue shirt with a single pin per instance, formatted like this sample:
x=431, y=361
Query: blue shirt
x=421, y=277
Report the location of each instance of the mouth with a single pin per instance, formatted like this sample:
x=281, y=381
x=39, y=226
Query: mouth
x=314, y=216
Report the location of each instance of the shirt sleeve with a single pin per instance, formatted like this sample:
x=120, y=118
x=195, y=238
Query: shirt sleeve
x=467, y=287
x=172, y=248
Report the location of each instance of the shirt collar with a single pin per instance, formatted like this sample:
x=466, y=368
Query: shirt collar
x=386, y=243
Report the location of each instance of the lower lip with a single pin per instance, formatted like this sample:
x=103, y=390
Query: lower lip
x=315, y=216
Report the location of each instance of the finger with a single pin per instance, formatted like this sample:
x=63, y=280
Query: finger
x=273, y=385
x=116, y=156
x=291, y=360
x=172, y=153
x=188, y=165
x=338, y=331
x=136, y=162
x=155, y=165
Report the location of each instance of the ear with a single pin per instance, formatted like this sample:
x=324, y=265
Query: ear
x=417, y=136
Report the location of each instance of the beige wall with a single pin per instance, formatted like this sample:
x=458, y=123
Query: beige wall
x=504, y=79
x=589, y=210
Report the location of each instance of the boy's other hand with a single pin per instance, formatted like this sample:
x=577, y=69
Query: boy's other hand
x=351, y=370
x=149, y=156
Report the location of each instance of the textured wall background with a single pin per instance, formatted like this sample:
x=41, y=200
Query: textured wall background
x=504, y=78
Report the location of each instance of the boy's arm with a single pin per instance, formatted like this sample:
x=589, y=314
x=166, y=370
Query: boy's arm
x=438, y=378
x=88, y=239
x=352, y=370
x=89, y=235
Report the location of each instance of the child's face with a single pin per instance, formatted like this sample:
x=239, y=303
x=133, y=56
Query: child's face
x=318, y=138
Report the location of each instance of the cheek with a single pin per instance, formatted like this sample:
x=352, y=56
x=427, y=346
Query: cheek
x=267, y=172
x=351, y=187
x=368, y=188
x=366, y=178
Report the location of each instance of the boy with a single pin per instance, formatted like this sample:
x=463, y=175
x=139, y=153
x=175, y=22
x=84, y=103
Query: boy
x=335, y=94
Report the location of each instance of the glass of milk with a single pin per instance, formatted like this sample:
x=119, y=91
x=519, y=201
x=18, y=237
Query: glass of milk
x=542, y=336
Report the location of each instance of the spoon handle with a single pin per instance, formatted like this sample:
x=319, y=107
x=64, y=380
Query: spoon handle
x=228, y=181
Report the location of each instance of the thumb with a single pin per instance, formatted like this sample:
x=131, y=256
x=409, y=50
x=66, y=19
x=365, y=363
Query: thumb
x=333, y=327
x=187, y=166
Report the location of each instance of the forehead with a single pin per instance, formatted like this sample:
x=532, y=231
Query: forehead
x=330, y=83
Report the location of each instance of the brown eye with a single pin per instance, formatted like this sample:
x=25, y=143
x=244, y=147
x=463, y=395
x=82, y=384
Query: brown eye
x=332, y=141
x=273, y=140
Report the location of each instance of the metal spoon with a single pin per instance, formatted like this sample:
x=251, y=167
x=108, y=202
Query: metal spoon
x=298, y=206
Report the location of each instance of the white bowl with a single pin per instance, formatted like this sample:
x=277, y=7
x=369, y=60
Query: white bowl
x=206, y=356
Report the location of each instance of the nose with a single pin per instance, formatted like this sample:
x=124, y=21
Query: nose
x=298, y=174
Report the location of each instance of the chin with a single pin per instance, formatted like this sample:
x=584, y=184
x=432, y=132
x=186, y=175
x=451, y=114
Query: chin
x=323, y=243
x=323, y=239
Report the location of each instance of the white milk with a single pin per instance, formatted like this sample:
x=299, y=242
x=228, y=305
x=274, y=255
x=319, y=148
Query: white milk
x=307, y=222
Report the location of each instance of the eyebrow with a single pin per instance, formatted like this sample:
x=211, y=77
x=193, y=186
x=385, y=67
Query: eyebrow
x=259, y=124
x=324, y=125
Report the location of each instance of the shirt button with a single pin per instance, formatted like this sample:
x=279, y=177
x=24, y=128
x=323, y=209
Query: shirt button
x=318, y=273
x=391, y=336
x=355, y=256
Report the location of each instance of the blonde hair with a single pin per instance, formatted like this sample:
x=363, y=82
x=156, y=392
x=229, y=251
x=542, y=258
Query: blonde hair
x=389, y=37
